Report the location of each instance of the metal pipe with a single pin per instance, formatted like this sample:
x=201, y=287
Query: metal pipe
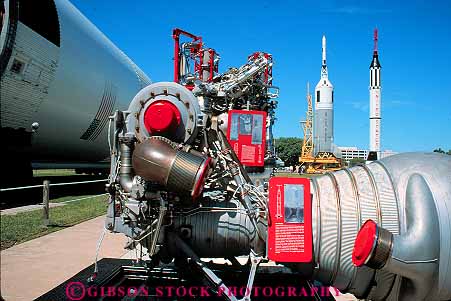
x=208, y=273
x=157, y=230
x=126, y=169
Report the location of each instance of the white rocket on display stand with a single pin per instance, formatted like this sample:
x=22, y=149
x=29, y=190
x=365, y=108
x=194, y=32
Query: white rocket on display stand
x=324, y=97
x=375, y=104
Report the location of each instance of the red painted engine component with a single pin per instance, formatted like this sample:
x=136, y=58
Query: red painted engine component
x=201, y=177
x=364, y=243
x=290, y=220
x=246, y=133
x=161, y=117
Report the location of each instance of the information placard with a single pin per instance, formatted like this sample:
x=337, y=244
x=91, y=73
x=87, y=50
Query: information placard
x=246, y=133
x=290, y=220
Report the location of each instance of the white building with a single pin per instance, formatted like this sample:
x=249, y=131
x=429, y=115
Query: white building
x=352, y=152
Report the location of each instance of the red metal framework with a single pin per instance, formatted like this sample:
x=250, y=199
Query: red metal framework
x=176, y=33
x=200, y=65
x=196, y=54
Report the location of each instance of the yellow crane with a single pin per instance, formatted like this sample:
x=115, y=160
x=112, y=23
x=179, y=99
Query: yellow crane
x=323, y=161
x=307, y=125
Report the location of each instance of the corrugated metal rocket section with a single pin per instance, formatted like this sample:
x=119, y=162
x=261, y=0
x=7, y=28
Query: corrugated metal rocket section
x=375, y=102
x=105, y=110
x=324, y=117
x=27, y=78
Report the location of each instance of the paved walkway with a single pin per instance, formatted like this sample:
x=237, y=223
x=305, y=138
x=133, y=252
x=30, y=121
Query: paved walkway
x=32, y=268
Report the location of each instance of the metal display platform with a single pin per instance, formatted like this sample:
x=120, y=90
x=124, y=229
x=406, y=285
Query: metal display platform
x=123, y=279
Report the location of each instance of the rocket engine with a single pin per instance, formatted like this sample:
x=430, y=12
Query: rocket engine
x=178, y=188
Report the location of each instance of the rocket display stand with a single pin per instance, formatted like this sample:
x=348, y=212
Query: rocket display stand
x=127, y=274
x=323, y=161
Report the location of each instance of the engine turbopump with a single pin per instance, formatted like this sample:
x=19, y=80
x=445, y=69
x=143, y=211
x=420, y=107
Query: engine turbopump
x=167, y=116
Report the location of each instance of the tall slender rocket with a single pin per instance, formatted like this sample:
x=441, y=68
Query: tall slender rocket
x=375, y=103
x=323, y=134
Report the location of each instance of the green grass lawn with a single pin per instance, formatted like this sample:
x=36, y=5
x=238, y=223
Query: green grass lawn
x=25, y=226
x=53, y=172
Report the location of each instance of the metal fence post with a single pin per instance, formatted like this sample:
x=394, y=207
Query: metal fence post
x=45, y=202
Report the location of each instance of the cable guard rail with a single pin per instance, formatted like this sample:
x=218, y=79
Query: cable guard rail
x=51, y=184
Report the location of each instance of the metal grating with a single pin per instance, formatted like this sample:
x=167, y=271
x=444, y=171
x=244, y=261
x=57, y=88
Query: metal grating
x=105, y=110
x=27, y=78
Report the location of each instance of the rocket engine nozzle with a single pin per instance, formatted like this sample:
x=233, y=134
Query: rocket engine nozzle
x=414, y=254
x=156, y=160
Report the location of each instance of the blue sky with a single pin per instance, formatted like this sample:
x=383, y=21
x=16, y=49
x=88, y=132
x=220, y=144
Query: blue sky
x=414, y=48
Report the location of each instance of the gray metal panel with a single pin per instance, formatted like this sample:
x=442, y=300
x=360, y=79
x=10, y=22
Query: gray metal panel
x=387, y=198
x=323, y=130
x=105, y=110
x=438, y=177
x=71, y=82
x=88, y=60
x=366, y=195
x=23, y=93
x=213, y=232
x=349, y=228
x=329, y=230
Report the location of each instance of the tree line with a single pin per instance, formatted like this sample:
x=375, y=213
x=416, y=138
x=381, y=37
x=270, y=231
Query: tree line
x=288, y=149
x=441, y=151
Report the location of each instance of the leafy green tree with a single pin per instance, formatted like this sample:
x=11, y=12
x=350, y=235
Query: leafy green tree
x=439, y=150
x=289, y=149
x=355, y=161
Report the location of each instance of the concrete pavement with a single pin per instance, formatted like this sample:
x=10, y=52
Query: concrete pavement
x=32, y=268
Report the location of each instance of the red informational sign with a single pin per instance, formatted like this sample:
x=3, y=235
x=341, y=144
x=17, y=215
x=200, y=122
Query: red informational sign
x=246, y=133
x=290, y=220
